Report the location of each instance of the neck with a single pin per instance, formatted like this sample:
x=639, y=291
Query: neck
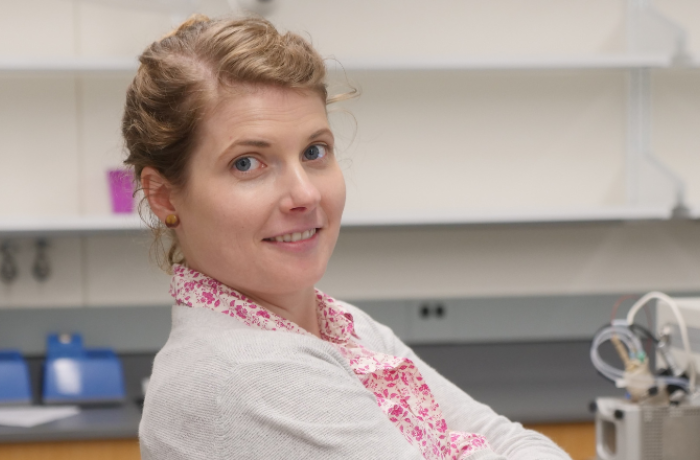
x=298, y=307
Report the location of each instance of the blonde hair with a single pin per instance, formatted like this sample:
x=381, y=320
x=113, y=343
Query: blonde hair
x=179, y=80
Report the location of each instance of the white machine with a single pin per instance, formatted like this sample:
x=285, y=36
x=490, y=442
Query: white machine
x=667, y=326
x=660, y=420
x=634, y=431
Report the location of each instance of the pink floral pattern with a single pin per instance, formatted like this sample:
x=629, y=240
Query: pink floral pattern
x=396, y=382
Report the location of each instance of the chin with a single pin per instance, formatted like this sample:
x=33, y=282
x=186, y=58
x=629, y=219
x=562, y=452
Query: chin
x=301, y=278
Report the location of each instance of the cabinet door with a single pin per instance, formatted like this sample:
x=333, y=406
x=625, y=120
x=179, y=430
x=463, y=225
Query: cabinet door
x=119, y=449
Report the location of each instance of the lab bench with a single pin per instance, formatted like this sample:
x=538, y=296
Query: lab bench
x=546, y=384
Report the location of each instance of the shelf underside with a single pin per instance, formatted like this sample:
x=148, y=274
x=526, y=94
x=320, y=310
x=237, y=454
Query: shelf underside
x=130, y=64
x=118, y=224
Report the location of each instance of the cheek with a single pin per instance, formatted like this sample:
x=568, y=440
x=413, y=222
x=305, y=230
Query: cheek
x=223, y=214
x=239, y=218
x=334, y=194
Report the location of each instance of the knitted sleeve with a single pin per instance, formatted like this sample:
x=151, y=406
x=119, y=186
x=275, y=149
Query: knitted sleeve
x=300, y=403
x=461, y=411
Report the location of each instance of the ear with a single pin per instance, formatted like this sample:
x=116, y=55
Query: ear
x=158, y=192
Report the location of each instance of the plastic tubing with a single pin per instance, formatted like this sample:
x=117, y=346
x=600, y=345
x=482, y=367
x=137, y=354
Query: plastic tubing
x=634, y=346
x=690, y=365
x=630, y=340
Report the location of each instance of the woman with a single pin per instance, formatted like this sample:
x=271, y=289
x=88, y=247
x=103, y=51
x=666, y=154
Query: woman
x=227, y=130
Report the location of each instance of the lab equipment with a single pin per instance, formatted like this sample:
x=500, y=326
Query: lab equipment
x=627, y=430
x=671, y=333
x=75, y=375
x=660, y=419
x=14, y=379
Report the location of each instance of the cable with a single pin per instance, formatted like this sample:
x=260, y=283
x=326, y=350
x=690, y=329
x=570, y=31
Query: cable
x=647, y=312
x=622, y=378
x=640, y=330
x=625, y=336
x=681, y=325
x=619, y=302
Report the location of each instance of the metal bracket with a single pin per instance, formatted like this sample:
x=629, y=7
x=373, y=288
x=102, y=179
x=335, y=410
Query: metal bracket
x=649, y=32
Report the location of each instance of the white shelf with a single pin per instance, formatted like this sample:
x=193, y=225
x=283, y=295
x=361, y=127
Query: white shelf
x=69, y=65
x=130, y=64
x=67, y=226
x=466, y=217
x=507, y=63
x=119, y=224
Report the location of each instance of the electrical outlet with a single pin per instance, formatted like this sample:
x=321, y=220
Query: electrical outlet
x=432, y=310
x=431, y=321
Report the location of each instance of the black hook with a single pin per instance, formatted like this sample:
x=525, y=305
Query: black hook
x=8, y=266
x=42, y=268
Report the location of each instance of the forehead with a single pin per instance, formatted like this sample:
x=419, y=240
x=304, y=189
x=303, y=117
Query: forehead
x=257, y=106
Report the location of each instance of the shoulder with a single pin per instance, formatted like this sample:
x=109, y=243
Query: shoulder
x=223, y=343
x=209, y=354
x=207, y=350
x=215, y=335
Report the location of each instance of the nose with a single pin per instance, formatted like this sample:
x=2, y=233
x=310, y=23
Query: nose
x=301, y=194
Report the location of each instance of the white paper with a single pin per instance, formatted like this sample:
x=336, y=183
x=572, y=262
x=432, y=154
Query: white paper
x=29, y=416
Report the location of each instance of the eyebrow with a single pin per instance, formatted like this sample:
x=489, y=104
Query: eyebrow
x=251, y=143
x=264, y=144
x=319, y=133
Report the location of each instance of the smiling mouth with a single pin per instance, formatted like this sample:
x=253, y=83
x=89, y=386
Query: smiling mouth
x=293, y=237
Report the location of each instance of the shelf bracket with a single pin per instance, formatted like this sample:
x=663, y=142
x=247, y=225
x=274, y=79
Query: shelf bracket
x=649, y=31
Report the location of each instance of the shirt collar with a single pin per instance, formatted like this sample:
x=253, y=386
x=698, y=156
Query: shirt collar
x=194, y=289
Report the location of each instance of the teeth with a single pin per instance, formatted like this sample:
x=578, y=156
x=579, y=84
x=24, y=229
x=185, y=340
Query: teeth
x=296, y=236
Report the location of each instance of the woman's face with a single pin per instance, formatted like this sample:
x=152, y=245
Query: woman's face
x=262, y=206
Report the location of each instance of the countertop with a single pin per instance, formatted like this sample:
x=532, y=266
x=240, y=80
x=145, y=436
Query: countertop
x=91, y=423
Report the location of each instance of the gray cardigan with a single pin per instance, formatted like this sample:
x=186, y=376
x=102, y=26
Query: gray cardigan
x=223, y=390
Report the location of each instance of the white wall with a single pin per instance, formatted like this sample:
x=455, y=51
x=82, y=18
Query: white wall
x=515, y=261
x=488, y=140
x=454, y=140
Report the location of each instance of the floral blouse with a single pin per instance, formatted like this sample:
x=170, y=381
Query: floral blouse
x=396, y=383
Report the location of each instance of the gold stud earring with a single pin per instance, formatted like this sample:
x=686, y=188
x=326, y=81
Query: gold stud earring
x=172, y=221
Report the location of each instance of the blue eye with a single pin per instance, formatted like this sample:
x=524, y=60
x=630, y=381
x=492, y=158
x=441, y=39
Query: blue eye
x=315, y=152
x=246, y=164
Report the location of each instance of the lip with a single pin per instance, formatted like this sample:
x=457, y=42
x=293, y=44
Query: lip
x=294, y=230
x=296, y=246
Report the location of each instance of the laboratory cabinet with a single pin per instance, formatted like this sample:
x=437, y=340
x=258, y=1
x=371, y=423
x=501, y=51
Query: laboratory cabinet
x=119, y=449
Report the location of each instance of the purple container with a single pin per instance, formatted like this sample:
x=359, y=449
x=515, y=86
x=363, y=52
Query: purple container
x=121, y=186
